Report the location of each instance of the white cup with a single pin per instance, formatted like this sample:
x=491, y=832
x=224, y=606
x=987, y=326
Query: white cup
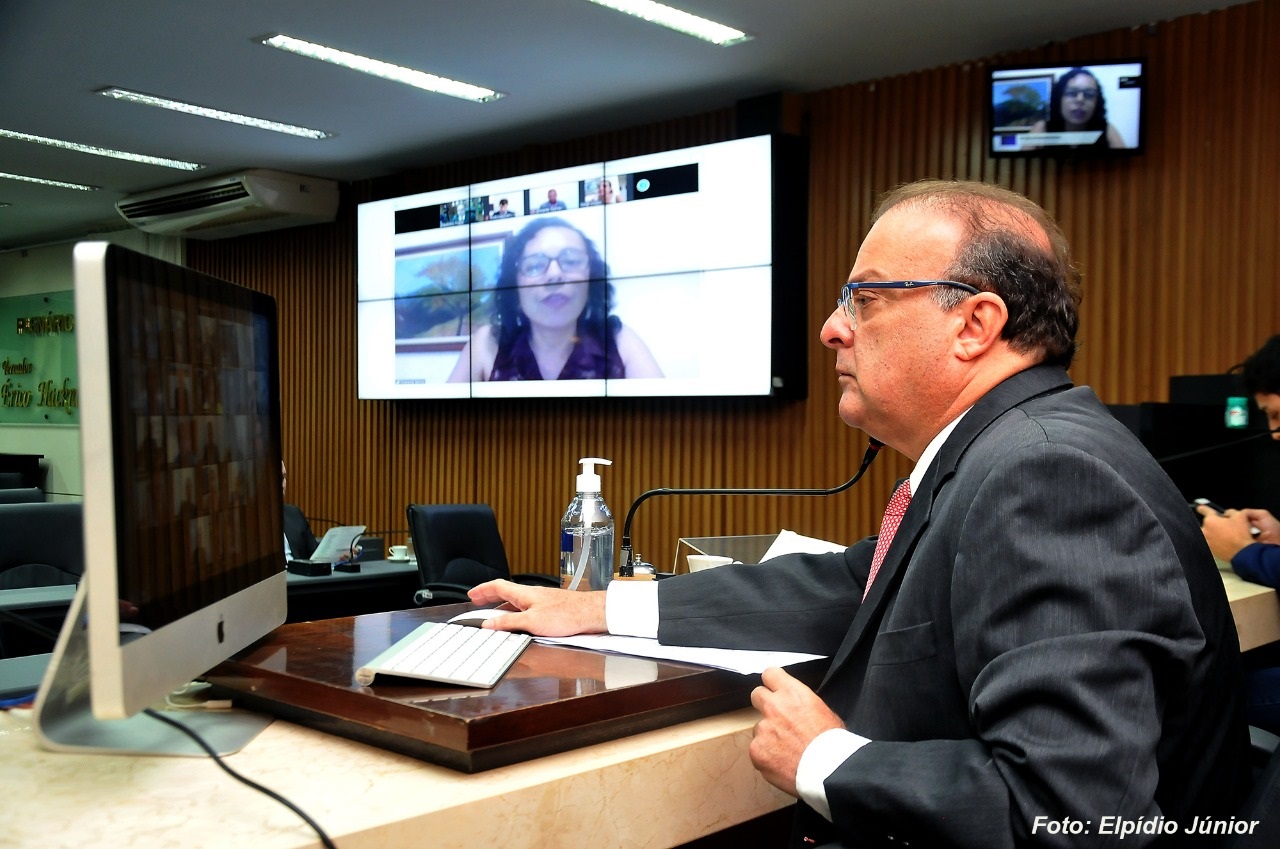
x=398, y=552
x=698, y=562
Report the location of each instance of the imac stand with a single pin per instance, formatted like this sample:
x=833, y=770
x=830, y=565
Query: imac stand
x=64, y=719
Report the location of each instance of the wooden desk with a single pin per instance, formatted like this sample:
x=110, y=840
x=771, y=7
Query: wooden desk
x=656, y=789
x=1255, y=608
x=553, y=698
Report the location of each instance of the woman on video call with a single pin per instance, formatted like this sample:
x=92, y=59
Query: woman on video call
x=1075, y=104
x=551, y=319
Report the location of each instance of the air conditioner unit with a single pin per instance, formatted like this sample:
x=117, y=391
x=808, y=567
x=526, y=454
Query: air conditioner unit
x=232, y=205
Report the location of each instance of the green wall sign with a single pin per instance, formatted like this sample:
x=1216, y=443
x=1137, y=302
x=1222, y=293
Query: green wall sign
x=40, y=382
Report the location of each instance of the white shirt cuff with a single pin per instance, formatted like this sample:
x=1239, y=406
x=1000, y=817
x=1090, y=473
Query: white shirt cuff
x=822, y=757
x=631, y=608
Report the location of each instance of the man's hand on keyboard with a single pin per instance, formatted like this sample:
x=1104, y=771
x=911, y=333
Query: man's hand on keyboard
x=543, y=611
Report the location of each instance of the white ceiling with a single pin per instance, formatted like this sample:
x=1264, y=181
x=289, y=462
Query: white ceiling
x=568, y=68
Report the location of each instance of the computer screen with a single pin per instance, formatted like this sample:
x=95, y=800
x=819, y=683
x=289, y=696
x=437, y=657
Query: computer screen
x=184, y=561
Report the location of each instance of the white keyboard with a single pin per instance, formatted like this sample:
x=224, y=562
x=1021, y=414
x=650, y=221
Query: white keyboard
x=449, y=654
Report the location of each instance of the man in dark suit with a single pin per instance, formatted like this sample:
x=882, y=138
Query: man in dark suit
x=1043, y=653
x=300, y=542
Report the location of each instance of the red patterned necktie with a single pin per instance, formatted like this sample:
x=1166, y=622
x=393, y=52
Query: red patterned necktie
x=888, y=527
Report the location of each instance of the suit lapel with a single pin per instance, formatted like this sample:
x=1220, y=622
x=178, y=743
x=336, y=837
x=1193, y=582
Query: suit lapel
x=1021, y=387
x=885, y=585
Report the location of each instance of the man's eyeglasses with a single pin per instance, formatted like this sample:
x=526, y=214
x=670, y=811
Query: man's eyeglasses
x=570, y=260
x=848, y=295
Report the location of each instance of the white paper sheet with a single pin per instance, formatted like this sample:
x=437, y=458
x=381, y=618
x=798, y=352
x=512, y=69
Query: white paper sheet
x=790, y=542
x=336, y=543
x=735, y=660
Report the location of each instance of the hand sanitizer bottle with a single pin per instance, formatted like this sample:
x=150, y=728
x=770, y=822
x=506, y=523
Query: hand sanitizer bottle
x=586, y=534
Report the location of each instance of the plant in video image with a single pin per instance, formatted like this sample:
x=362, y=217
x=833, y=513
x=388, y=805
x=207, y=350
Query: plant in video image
x=433, y=292
x=1019, y=104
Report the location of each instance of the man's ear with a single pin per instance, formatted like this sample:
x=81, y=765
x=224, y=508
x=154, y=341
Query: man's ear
x=984, y=316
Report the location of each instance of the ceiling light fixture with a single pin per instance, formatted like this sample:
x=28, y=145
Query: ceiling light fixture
x=378, y=68
x=101, y=151
x=663, y=15
x=7, y=176
x=217, y=114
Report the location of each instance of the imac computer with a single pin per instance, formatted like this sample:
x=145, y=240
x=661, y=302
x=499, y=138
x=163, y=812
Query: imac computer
x=184, y=561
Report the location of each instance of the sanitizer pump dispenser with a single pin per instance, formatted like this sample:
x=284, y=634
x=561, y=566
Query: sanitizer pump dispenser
x=586, y=534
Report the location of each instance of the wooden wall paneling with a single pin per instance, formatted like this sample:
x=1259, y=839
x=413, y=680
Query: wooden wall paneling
x=1211, y=194
x=1106, y=277
x=1247, y=62
x=1260, y=254
x=1213, y=169
x=515, y=446
x=829, y=219
x=1181, y=138
x=866, y=128
x=1267, y=179
x=840, y=132
x=937, y=133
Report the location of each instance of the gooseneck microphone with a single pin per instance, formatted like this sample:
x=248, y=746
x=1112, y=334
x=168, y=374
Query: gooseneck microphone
x=628, y=565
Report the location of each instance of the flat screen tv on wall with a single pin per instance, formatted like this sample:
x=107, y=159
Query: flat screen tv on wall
x=679, y=273
x=1055, y=110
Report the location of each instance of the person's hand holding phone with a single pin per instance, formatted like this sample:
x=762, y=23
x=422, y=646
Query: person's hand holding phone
x=1227, y=531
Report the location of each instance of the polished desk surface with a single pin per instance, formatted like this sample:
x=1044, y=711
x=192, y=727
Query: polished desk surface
x=656, y=789
x=552, y=699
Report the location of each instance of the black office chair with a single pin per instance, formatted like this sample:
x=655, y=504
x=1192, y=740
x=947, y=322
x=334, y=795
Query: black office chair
x=43, y=544
x=459, y=546
x=43, y=547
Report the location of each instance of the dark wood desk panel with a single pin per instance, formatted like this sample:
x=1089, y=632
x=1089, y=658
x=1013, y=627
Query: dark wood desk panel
x=553, y=699
x=373, y=573
x=380, y=585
